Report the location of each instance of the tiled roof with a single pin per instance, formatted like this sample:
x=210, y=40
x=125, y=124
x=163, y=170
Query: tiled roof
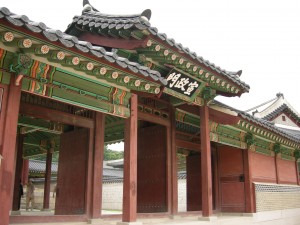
x=280, y=109
x=95, y=20
x=73, y=42
x=262, y=122
x=37, y=166
x=295, y=133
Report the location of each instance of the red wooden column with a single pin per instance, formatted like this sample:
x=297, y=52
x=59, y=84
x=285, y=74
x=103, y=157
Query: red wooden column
x=216, y=200
x=98, y=166
x=25, y=171
x=207, y=207
x=173, y=204
x=18, y=173
x=249, y=193
x=47, y=180
x=297, y=171
x=130, y=164
x=7, y=170
x=276, y=167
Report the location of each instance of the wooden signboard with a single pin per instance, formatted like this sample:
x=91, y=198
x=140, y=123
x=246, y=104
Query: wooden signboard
x=182, y=86
x=182, y=83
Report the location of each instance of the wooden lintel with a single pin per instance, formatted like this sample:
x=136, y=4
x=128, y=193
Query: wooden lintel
x=143, y=94
x=153, y=119
x=54, y=115
x=113, y=42
x=214, y=115
x=188, y=145
x=193, y=109
x=222, y=118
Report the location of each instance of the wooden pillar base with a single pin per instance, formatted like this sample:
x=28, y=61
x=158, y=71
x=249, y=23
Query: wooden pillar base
x=209, y=219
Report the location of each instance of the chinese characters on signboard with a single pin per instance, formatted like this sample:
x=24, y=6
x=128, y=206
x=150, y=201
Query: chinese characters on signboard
x=182, y=83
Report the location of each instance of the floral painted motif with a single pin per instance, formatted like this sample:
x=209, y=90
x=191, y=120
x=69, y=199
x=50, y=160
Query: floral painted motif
x=60, y=55
x=75, y=61
x=9, y=36
x=90, y=66
x=45, y=49
x=27, y=43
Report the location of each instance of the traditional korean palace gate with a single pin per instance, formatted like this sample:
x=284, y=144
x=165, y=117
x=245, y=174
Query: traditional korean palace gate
x=128, y=82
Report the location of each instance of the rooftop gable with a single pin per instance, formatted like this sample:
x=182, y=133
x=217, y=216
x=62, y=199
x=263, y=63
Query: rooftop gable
x=275, y=108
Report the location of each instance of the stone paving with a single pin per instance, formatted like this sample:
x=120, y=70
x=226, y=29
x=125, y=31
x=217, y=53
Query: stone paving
x=280, y=217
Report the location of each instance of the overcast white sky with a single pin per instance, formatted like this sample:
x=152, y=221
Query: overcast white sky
x=260, y=37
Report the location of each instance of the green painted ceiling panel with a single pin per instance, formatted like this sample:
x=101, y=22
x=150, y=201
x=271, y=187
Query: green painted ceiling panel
x=80, y=100
x=81, y=83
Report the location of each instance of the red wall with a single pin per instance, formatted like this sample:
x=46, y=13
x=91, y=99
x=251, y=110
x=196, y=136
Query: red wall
x=262, y=168
x=286, y=172
x=231, y=177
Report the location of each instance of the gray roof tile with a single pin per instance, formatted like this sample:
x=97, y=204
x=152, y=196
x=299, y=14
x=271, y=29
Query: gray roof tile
x=71, y=41
x=283, y=107
x=142, y=24
x=262, y=122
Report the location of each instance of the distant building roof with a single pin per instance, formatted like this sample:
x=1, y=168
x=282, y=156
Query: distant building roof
x=39, y=167
x=274, y=108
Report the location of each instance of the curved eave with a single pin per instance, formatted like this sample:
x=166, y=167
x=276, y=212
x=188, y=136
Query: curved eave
x=71, y=47
x=283, y=109
x=136, y=29
x=269, y=127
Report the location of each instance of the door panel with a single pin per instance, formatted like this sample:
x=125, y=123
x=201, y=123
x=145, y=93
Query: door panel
x=151, y=174
x=71, y=180
x=232, y=186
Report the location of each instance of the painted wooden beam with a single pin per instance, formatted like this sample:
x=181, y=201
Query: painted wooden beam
x=153, y=119
x=54, y=115
x=222, y=118
x=188, y=145
x=214, y=115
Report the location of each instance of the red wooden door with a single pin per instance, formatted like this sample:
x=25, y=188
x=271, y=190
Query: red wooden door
x=151, y=173
x=231, y=174
x=71, y=179
x=193, y=183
